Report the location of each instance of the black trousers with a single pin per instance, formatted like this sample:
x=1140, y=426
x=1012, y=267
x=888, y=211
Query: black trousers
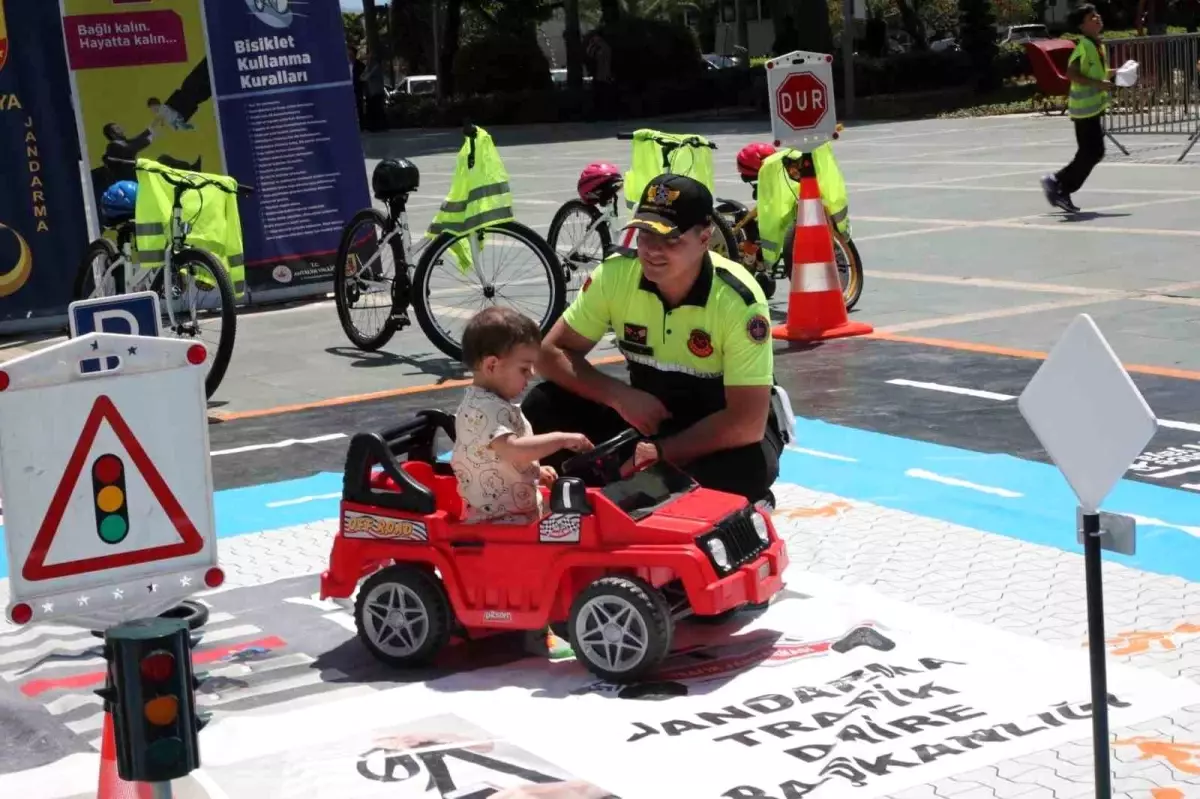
x=1089, y=136
x=749, y=471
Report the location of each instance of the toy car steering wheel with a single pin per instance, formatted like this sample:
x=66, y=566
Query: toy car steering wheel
x=604, y=460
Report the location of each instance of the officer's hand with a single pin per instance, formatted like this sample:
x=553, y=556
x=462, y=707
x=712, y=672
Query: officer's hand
x=642, y=410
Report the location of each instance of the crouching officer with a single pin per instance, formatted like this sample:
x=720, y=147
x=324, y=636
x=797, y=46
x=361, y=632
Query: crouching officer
x=695, y=332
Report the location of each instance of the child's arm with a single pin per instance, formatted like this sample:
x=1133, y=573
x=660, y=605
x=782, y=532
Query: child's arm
x=528, y=449
x=1078, y=77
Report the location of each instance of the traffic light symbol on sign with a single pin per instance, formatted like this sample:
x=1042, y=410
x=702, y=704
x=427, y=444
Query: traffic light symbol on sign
x=112, y=502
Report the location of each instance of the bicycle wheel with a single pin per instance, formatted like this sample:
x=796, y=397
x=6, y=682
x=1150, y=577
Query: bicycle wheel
x=188, y=306
x=569, y=236
x=850, y=269
x=723, y=242
x=85, y=279
x=366, y=273
x=506, y=236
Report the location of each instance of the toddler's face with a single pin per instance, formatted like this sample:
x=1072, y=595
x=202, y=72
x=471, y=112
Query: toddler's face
x=508, y=376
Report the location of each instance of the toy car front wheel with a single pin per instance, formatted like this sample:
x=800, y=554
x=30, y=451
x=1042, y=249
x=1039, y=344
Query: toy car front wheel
x=620, y=627
x=403, y=616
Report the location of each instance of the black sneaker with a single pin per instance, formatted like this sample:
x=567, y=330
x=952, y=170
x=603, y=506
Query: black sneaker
x=1064, y=202
x=1050, y=189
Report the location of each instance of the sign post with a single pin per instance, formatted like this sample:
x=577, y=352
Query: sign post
x=1093, y=423
x=803, y=113
x=109, y=522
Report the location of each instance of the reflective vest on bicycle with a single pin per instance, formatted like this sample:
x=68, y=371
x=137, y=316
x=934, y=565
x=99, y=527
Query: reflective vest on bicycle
x=777, y=194
x=478, y=196
x=212, y=214
x=694, y=159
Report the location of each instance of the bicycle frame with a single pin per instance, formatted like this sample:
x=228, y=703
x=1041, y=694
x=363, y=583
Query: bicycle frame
x=141, y=278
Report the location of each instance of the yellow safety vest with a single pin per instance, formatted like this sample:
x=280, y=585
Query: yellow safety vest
x=478, y=196
x=1085, y=102
x=694, y=159
x=212, y=213
x=777, y=194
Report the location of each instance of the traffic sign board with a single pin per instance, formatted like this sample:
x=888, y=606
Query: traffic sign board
x=1087, y=413
x=803, y=113
x=108, y=494
x=131, y=314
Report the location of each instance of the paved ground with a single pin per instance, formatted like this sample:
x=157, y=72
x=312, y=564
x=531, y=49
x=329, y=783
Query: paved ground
x=914, y=473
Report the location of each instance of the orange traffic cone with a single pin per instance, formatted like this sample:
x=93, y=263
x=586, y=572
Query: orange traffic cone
x=816, y=308
x=111, y=784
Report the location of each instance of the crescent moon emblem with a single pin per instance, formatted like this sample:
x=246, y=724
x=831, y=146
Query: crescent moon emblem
x=16, y=277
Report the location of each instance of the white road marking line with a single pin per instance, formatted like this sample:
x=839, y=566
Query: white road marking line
x=301, y=500
x=816, y=453
x=1192, y=427
x=1192, y=486
x=279, y=444
x=1192, y=531
x=209, y=636
x=89, y=724
x=275, y=687
x=235, y=670
x=921, y=474
x=65, y=704
x=970, y=392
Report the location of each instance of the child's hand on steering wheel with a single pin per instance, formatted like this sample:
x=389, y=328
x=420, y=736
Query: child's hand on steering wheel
x=644, y=454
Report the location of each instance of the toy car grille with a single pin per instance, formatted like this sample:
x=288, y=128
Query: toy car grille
x=741, y=541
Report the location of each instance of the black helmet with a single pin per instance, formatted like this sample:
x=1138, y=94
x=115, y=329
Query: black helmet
x=395, y=177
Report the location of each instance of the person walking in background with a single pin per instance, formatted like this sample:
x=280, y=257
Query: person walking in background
x=357, y=68
x=1091, y=82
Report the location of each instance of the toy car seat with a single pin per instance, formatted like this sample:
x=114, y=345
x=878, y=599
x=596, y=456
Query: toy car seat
x=444, y=487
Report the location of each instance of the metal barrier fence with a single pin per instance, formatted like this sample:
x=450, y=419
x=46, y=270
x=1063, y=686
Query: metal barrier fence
x=1166, y=98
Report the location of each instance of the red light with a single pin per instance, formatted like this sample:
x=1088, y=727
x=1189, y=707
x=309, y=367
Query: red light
x=158, y=666
x=196, y=354
x=214, y=577
x=107, y=468
x=21, y=613
x=3, y=380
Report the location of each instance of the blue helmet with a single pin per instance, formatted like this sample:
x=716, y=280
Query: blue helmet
x=120, y=199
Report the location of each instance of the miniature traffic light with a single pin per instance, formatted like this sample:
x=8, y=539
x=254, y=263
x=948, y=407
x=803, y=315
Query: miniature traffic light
x=112, y=503
x=155, y=723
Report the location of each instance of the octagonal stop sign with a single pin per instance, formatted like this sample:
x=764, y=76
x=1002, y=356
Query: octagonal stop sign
x=800, y=91
x=802, y=100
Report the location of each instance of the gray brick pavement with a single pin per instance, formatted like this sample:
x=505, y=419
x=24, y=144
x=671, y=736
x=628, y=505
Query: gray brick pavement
x=1029, y=590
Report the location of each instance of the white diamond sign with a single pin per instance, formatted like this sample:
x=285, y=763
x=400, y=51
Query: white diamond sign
x=1087, y=413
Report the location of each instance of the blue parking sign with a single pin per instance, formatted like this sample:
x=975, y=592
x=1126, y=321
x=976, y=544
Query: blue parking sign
x=127, y=314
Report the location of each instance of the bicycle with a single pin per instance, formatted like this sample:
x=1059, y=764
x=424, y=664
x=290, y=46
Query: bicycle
x=600, y=188
x=117, y=265
x=362, y=271
x=742, y=222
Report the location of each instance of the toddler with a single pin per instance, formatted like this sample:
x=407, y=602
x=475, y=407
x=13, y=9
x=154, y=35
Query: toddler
x=495, y=457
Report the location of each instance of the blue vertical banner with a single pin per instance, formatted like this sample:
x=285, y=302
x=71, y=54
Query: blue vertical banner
x=285, y=102
x=43, y=222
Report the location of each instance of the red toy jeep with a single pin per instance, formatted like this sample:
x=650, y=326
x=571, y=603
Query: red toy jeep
x=619, y=564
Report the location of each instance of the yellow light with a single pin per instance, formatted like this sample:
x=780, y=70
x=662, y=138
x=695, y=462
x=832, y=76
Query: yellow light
x=110, y=498
x=162, y=710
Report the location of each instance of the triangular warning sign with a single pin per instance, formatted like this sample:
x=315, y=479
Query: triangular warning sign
x=191, y=541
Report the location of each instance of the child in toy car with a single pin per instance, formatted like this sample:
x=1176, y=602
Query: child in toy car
x=495, y=457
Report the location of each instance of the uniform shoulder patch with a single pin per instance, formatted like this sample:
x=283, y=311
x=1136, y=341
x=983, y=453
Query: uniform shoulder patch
x=728, y=278
x=758, y=328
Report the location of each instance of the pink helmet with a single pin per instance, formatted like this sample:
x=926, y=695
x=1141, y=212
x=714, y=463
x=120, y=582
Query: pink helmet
x=599, y=181
x=750, y=158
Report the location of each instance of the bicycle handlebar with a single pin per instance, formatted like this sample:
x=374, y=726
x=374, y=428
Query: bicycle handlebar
x=191, y=183
x=690, y=141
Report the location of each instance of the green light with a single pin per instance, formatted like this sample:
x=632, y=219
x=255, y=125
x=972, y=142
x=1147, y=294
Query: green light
x=164, y=752
x=113, y=529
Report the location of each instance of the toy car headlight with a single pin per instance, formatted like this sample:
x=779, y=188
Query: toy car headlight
x=760, y=527
x=716, y=548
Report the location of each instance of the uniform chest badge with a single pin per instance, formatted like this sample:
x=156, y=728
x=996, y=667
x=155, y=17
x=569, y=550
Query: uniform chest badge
x=700, y=343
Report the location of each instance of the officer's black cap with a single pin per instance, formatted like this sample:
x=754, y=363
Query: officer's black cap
x=672, y=205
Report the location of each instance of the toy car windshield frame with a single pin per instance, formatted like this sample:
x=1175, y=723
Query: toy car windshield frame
x=647, y=490
x=411, y=440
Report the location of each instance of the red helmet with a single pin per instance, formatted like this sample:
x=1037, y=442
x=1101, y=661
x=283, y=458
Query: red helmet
x=750, y=158
x=599, y=180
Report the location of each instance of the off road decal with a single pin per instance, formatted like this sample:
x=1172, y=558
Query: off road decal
x=559, y=528
x=366, y=525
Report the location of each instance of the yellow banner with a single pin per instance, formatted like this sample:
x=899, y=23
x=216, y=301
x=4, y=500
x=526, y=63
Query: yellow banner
x=142, y=85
